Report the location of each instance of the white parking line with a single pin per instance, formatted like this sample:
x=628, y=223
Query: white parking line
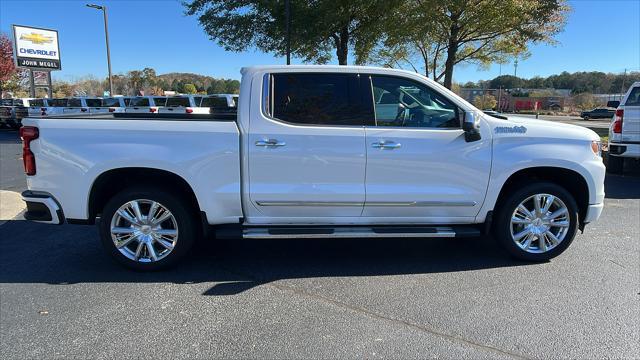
x=11, y=205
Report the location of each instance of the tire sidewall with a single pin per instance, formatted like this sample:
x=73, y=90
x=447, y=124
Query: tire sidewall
x=502, y=226
x=184, y=219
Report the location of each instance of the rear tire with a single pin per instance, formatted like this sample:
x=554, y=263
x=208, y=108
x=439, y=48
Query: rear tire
x=159, y=236
x=615, y=164
x=542, y=235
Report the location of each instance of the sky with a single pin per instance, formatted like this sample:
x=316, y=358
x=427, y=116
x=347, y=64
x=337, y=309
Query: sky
x=599, y=35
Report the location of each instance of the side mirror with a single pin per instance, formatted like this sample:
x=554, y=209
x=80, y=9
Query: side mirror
x=471, y=126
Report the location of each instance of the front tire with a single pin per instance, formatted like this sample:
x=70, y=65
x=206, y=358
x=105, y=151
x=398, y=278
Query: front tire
x=147, y=228
x=537, y=222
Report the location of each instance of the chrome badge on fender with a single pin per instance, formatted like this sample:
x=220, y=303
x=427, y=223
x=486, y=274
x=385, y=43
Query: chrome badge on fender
x=510, y=130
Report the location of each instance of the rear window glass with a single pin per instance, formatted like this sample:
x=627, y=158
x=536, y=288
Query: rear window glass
x=58, y=102
x=127, y=101
x=111, y=102
x=75, y=103
x=178, y=101
x=139, y=101
x=94, y=102
x=197, y=100
x=214, y=102
x=7, y=102
x=160, y=101
x=634, y=97
x=317, y=99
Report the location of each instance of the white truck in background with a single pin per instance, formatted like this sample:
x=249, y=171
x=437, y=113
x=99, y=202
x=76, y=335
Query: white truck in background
x=315, y=151
x=624, y=132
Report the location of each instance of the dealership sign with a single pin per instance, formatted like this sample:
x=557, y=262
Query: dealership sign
x=36, y=48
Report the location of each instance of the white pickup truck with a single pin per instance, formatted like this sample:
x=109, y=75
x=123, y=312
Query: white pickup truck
x=624, y=131
x=317, y=151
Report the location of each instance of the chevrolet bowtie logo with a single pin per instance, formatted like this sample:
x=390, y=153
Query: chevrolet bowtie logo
x=36, y=38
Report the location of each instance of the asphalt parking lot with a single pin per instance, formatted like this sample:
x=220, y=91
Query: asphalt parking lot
x=61, y=297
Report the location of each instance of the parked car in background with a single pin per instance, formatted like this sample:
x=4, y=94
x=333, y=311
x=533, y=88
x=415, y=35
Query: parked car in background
x=624, y=132
x=598, y=113
x=179, y=105
x=55, y=107
x=115, y=104
x=81, y=105
x=37, y=107
x=312, y=155
x=220, y=104
x=12, y=111
x=145, y=104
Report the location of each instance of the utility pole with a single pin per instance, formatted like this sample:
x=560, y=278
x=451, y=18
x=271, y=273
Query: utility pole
x=106, y=35
x=287, y=14
x=622, y=86
x=515, y=68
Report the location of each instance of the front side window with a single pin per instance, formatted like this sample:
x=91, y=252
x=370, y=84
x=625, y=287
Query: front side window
x=58, y=102
x=94, y=102
x=36, y=103
x=216, y=102
x=111, y=102
x=160, y=101
x=316, y=99
x=74, y=103
x=402, y=102
x=139, y=101
x=178, y=101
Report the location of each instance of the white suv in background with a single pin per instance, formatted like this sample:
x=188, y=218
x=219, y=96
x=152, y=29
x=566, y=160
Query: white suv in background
x=182, y=104
x=624, y=132
x=115, y=104
x=145, y=104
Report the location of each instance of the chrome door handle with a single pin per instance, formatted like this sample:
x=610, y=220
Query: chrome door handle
x=270, y=142
x=386, y=145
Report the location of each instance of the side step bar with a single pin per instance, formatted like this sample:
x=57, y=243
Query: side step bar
x=359, y=232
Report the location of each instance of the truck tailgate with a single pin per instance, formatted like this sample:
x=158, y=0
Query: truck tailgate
x=71, y=153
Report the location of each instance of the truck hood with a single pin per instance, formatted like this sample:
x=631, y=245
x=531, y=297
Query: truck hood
x=517, y=126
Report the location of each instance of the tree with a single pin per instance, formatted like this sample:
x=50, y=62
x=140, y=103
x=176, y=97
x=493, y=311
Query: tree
x=485, y=101
x=584, y=101
x=7, y=66
x=190, y=89
x=444, y=33
x=317, y=27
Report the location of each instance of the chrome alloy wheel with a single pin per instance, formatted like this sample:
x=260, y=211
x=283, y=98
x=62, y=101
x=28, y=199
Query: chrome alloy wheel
x=144, y=230
x=540, y=223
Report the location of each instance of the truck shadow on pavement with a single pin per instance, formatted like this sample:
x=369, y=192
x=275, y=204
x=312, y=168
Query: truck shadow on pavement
x=72, y=254
x=64, y=255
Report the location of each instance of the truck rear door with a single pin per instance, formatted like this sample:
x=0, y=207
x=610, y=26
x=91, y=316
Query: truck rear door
x=306, y=149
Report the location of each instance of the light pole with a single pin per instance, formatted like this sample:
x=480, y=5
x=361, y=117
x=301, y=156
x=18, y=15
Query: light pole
x=106, y=35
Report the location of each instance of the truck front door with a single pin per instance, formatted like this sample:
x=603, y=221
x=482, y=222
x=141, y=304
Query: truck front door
x=420, y=169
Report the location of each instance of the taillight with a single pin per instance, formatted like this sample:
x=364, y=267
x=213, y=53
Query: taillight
x=617, y=121
x=28, y=134
x=152, y=110
x=112, y=109
x=188, y=110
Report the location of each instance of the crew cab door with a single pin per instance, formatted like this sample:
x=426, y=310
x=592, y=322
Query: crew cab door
x=420, y=169
x=306, y=149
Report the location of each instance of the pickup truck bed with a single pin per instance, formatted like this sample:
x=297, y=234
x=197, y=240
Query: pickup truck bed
x=204, y=153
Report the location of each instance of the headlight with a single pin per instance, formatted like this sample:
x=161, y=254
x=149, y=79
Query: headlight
x=596, y=147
